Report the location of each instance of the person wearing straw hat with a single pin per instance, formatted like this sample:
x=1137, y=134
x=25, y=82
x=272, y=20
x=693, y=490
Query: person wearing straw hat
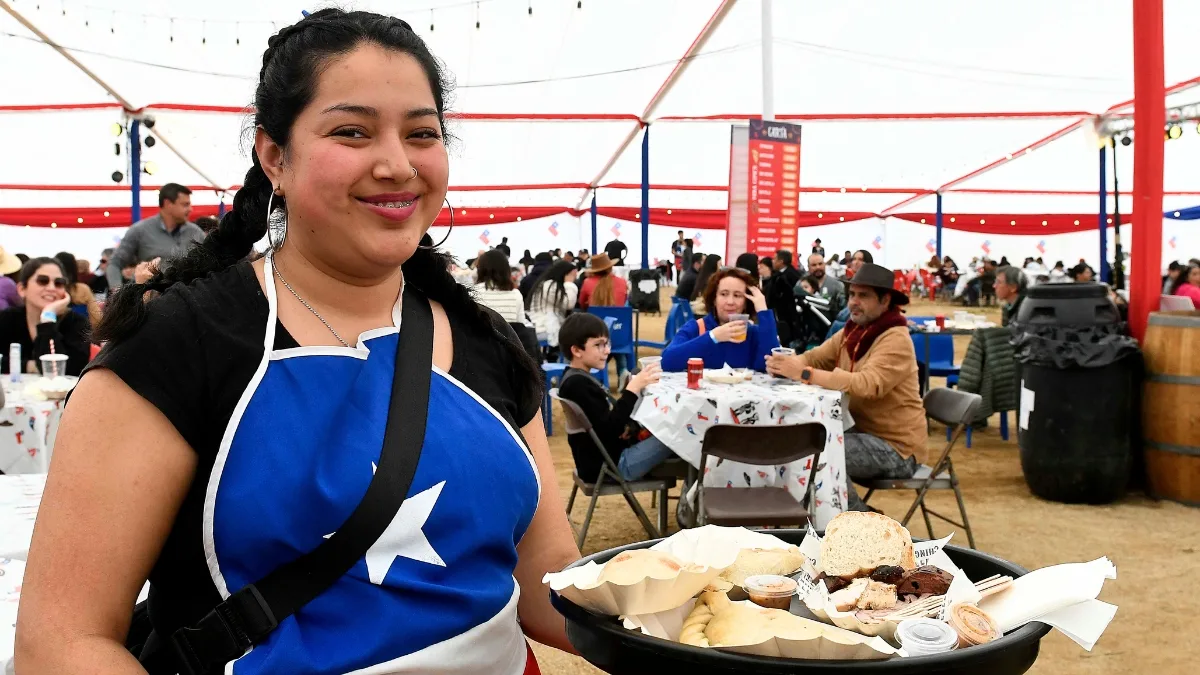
x=873, y=361
x=9, y=266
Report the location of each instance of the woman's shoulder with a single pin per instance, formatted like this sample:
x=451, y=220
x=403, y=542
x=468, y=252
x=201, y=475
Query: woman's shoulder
x=225, y=295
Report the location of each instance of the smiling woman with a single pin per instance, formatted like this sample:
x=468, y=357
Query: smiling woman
x=235, y=419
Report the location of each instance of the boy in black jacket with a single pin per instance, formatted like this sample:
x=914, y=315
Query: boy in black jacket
x=584, y=337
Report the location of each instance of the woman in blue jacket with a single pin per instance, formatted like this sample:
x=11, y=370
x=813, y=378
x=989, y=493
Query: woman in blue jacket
x=718, y=340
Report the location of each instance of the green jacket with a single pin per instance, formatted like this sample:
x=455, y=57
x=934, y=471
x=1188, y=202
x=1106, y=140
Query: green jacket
x=990, y=370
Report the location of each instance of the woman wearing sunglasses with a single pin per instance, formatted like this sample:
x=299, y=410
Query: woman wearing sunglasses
x=45, y=317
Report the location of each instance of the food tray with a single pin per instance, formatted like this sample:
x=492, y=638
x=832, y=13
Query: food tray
x=605, y=643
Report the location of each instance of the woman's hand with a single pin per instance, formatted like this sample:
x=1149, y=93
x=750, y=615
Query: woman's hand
x=59, y=307
x=756, y=296
x=648, y=375
x=728, y=331
x=786, y=366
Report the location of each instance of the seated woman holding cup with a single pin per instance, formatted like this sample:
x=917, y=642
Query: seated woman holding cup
x=726, y=335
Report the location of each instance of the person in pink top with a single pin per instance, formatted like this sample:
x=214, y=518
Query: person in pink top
x=602, y=288
x=1188, y=284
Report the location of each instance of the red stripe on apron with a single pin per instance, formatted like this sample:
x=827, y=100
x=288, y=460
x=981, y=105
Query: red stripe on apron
x=531, y=664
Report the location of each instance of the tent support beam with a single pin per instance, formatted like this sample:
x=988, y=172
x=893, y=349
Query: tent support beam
x=645, y=216
x=129, y=108
x=681, y=65
x=1149, y=115
x=595, y=240
x=1105, y=270
x=135, y=169
x=937, y=219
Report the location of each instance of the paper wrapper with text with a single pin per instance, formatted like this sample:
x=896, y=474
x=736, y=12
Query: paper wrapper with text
x=711, y=548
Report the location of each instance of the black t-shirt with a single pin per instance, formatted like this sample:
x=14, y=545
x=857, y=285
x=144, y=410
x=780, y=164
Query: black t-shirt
x=193, y=359
x=609, y=420
x=70, y=335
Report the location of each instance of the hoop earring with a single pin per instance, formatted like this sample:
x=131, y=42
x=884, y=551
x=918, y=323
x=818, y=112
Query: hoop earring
x=276, y=220
x=428, y=248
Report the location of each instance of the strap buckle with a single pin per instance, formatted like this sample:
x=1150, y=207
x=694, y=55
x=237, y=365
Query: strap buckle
x=225, y=633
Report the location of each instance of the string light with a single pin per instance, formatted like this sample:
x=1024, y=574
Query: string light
x=477, y=16
x=203, y=32
x=1174, y=131
x=530, y=7
x=172, y=30
x=79, y=220
x=431, y=21
x=53, y=224
x=106, y=214
x=1077, y=222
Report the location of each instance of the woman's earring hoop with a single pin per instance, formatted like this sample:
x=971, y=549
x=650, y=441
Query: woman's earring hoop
x=447, y=201
x=276, y=221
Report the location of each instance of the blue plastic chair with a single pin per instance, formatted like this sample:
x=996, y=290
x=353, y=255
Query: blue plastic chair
x=675, y=321
x=620, y=330
x=553, y=373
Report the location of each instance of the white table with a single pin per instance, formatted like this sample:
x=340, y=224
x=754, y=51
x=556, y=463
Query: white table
x=679, y=416
x=27, y=429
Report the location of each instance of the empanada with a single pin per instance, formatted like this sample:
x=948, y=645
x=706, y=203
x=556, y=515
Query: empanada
x=715, y=621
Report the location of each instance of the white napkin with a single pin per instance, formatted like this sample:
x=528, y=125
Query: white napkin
x=1063, y=596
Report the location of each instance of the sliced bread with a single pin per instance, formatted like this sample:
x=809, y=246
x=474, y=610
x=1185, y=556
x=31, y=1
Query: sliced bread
x=857, y=542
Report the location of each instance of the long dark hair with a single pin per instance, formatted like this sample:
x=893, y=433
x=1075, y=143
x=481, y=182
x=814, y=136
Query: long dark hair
x=711, y=263
x=291, y=65
x=70, y=268
x=555, y=276
x=493, y=271
x=1182, y=279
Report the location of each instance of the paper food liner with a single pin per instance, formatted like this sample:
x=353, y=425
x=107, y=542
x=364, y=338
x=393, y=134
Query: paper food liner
x=712, y=548
x=816, y=599
x=833, y=644
x=1063, y=596
x=728, y=374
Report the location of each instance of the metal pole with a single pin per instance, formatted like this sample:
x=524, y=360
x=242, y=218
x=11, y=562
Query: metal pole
x=221, y=208
x=1118, y=252
x=768, y=63
x=1105, y=274
x=937, y=219
x=135, y=170
x=595, y=243
x=646, y=198
x=1149, y=118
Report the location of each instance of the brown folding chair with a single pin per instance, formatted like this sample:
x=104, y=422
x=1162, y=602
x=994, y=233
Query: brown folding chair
x=954, y=409
x=760, y=446
x=609, y=481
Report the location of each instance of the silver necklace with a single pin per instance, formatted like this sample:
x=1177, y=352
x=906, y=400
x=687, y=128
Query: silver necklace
x=305, y=303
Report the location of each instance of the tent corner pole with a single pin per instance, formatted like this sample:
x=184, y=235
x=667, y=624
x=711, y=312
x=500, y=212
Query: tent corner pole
x=1149, y=115
x=1105, y=270
x=937, y=219
x=135, y=170
x=595, y=241
x=646, y=197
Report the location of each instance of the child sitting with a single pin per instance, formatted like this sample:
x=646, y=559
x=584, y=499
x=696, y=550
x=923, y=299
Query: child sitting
x=584, y=337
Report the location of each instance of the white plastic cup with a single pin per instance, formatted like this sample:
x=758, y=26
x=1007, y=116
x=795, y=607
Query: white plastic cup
x=647, y=361
x=53, y=365
x=783, y=351
x=745, y=319
x=922, y=637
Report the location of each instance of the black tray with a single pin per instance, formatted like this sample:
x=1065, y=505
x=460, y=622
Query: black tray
x=604, y=642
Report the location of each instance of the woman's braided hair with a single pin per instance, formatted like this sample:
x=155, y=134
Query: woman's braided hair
x=291, y=65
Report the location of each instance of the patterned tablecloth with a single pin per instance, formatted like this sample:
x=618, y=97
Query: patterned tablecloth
x=27, y=430
x=679, y=416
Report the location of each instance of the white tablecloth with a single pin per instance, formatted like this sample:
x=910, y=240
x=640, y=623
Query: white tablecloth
x=679, y=416
x=27, y=431
x=20, y=496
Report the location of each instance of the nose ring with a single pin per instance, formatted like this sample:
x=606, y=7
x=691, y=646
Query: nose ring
x=414, y=172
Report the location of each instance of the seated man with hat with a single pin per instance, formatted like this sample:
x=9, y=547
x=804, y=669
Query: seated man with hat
x=873, y=361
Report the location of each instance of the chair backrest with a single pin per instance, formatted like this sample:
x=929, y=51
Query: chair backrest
x=941, y=348
x=763, y=445
x=898, y=280
x=621, y=330
x=577, y=421
x=952, y=407
x=686, y=308
x=675, y=321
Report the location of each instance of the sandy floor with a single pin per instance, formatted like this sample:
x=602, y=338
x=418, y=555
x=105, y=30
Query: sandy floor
x=1154, y=545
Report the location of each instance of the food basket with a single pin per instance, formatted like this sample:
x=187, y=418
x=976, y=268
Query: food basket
x=609, y=646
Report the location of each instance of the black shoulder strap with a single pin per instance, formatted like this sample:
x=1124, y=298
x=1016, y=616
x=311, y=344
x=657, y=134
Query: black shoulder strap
x=248, y=616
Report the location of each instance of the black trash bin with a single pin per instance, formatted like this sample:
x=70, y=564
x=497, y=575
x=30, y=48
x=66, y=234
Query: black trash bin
x=1077, y=385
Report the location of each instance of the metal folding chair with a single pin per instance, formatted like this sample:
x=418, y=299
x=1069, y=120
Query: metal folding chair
x=609, y=481
x=760, y=446
x=952, y=408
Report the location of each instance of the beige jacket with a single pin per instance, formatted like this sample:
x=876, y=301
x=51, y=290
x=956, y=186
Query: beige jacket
x=885, y=398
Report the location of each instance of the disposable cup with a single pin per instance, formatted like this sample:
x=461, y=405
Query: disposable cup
x=53, y=365
x=745, y=319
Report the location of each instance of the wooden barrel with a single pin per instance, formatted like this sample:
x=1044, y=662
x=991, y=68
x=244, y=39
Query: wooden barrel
x=1171, y=406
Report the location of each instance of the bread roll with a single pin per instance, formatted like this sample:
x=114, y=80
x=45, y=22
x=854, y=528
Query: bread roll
x=856, y=543
x=752, y=562
x=630, y=567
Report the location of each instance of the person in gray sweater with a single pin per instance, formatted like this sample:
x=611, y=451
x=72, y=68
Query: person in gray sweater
x=160, y=236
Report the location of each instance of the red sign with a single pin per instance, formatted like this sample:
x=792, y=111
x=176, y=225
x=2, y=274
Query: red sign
x=774, y=176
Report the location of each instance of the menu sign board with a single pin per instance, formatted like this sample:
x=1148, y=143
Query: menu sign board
x=774, y=178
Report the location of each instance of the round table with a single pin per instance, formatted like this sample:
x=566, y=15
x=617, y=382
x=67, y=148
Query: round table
x=28, y=427
x=679, y=416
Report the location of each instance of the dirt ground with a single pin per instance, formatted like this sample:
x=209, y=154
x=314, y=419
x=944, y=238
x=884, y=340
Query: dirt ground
x=1154, y=545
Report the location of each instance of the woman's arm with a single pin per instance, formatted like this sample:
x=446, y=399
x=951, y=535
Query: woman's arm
x=767, y=337
x=120, y=473
x=687, y=344
x=548, y=546
x=570, y=297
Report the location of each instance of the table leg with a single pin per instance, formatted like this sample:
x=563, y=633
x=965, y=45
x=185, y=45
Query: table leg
x=927, y=364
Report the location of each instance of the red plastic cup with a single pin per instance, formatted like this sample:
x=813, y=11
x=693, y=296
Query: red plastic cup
x=940, y=319
x=695, y=373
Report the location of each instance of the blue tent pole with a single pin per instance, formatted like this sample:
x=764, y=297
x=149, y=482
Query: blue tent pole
x=221, y=208
x=937, y=219
x=1105, y=272
x=646, y=198
x=595, y=242
x=135, y=170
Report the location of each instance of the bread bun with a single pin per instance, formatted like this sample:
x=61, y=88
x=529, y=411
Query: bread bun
x=856, y=543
